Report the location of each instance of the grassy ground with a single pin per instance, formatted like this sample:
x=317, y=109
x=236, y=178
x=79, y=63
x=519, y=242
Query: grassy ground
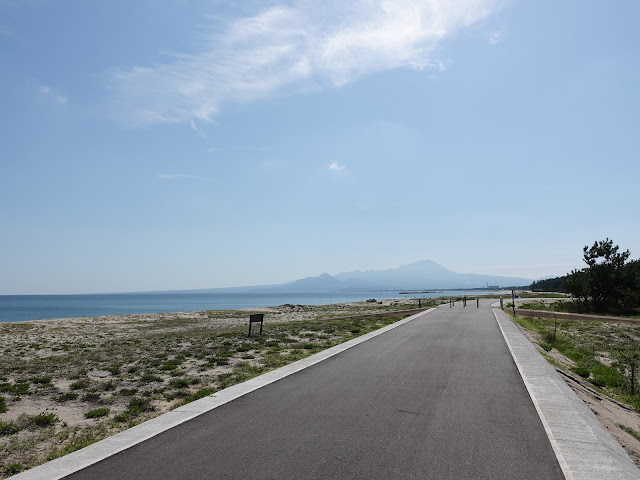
x=66, y=384
x=567, y=307
x=606, y=354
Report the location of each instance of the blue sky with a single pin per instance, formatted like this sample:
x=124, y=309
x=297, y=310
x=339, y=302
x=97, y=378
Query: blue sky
x=193, y=144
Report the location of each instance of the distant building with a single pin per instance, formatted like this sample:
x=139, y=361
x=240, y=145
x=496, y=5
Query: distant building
x=493, y=287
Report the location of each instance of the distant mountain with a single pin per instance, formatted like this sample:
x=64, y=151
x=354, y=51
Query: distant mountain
x=322, y=283
x=424, y=275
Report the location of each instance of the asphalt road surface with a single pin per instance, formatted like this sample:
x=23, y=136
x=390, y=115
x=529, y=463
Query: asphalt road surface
x=439, y=397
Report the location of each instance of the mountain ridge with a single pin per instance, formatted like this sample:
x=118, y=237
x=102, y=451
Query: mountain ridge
x=421, y=275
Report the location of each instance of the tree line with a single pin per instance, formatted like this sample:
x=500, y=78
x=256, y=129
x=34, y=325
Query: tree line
x=610, y=283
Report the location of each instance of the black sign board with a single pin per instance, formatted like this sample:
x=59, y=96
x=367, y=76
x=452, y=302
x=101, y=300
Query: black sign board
x=256, y=317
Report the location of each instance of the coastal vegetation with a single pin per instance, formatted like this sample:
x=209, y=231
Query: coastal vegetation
x=67, y=383
x=609, y=284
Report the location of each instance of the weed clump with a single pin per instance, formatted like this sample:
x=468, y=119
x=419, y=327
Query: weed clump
x=44, y=419
x=13, y=468
x=79, y=385
x=97, y=413
x=138, y=405
x=9, y=428
x=66, y=396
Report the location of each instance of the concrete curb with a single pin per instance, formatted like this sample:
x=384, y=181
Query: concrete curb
x=584, y=448
x=98, y=451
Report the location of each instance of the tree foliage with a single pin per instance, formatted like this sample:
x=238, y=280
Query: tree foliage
x=549, y=285
x=608, y=283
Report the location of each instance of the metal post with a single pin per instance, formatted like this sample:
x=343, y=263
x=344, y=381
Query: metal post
x=501, y=303
x=477, y=302
x=513, y=301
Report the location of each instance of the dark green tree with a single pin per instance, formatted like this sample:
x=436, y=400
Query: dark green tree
x=608, y=283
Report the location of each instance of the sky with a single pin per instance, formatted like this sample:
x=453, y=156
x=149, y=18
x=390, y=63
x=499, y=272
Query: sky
x=196, y=144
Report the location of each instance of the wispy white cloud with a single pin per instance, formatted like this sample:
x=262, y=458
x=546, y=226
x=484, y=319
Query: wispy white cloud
x=300, y=46
x=336, y=167
x=495, y=38
x=52, y=93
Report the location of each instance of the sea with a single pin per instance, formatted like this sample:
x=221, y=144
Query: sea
x=19, y=308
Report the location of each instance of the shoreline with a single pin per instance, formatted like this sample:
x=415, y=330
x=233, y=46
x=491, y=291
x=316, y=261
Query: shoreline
x=48, y=307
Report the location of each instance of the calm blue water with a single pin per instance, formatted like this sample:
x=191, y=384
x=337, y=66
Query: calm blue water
x=18, y=308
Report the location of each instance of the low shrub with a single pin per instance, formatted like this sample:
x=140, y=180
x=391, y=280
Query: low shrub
x=138, y=405
x=149, y=378
x=13, y=468
x=80, y=384
x=546, y=346
x=91, y=397
x=97, y=413
x=66, y=396
x=9, y=428
x=180, y=383
x=583, y=372
x=41, y=380
x=44, y=419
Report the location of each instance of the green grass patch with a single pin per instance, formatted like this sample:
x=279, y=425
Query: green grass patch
x=13, y=468
x=547, y=347
x=97, y=413
x=128, y=392
x=41, y=380
x=91, y=397
x=43, y=419
x=179, y=382
x=79, y=385
x=150, y=378
x=601, y=351
x=138, y=405
x=9, y=428
x=634, y=433
x=583, y=372
x=62, y=398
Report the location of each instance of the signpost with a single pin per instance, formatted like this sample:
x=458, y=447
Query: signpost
x=254, y=318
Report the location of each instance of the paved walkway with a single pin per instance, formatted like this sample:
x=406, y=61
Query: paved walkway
x=439, y=396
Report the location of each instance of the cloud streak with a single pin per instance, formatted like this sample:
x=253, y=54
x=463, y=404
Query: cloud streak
x=299, y=47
